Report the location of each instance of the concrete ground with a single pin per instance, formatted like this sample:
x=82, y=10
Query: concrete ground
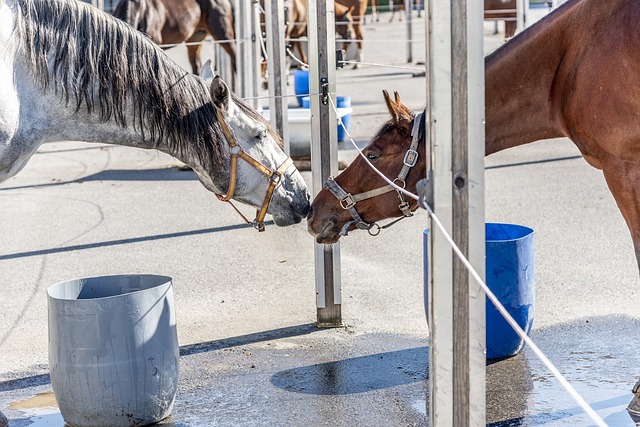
x=250, y=352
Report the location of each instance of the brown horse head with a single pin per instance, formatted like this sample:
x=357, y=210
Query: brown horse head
x=330, y=217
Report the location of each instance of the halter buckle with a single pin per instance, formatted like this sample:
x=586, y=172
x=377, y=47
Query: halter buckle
x=235, y=150
x=276, y=177
x=347, y=202
x=410, y=158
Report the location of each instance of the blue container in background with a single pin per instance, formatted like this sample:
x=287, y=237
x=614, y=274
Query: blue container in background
x=301, y=84
x=341, y=102
x=510, y=275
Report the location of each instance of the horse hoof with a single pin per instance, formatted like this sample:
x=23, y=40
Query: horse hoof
x=356, y=67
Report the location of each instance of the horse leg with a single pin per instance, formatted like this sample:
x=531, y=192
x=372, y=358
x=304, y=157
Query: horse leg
x=219, y=21
x=622, y=177
x=509, y=29
x=360, y=53
x=194, y=50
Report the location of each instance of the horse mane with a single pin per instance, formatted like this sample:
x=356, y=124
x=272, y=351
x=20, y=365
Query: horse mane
x=97, y=61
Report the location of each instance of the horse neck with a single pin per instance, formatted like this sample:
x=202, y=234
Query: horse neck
x=519, y=80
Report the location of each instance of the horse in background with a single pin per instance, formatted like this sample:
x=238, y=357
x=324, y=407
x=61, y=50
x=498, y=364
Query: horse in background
x=71, y=72
x=568, y=75
x=177, y=21
x=396, y=5
x=296, y=19
x=359, y=9
x=297, y=25
x=496, y=10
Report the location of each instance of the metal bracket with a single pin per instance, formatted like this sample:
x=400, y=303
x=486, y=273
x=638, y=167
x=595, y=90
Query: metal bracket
x=425, y=191
x=324, y=87
x=340, y=55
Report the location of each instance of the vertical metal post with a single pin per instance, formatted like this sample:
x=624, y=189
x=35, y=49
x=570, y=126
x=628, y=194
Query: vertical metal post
x=522, y=7
x=455, y=79
x=256, y=52
x=408, y=6
x=243, y=55
x=324, y=149
x=276, y=64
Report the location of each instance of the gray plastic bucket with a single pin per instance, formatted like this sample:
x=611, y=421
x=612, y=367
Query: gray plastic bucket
x=113, y=349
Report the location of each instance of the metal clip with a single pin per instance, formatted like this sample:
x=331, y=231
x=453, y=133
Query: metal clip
x=324, y=86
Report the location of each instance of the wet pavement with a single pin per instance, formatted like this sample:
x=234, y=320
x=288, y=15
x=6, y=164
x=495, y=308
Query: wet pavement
x=250, y=352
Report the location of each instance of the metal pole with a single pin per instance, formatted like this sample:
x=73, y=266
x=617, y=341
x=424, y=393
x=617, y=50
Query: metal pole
x=256, y=53
x=455, y=78
x=324, y=149
x=408, y=5
x=276, y=64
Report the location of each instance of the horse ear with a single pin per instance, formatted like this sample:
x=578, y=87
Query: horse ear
x=391, y=106
x=220, y=94
x=207, y=72
x=404, y=111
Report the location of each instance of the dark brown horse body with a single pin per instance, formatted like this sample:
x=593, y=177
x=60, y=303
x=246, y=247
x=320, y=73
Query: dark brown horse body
x=575, y=74
x=177, y=21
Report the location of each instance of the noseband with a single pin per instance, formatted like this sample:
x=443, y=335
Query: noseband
x=275, y=176
x=348, y=201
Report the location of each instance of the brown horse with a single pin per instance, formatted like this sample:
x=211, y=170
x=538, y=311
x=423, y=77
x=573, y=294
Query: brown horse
x=495, y=10
x=297, y=25
x=177, y=21
x=359, y=10
x=574, y=74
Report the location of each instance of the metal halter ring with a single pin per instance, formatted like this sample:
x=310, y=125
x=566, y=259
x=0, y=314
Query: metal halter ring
x=376, y=229
x=400, y=182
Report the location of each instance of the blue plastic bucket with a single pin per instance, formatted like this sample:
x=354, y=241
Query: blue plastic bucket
x=301, y=84
x=341, y=102
x=510, y=275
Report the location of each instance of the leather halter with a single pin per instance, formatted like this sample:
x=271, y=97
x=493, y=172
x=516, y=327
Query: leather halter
x=275, y=176
x=348, y=201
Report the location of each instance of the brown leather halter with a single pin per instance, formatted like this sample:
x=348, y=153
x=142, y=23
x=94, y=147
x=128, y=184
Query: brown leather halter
x=275, y=176
x=348, y=201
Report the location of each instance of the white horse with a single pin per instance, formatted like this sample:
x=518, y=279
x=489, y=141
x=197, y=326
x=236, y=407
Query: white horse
x=71, y=72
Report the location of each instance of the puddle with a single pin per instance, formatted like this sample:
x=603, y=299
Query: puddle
x=40, y=410
x=46, y=420
x=40, y=400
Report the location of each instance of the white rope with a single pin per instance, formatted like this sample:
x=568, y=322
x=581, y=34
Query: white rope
x=279, y=96
x=521, y=333
x=400, y=67
x=206, y=41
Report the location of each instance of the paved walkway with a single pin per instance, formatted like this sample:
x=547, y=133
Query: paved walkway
x=251, y=354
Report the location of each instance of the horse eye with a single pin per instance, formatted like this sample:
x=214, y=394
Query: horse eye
x=372, y=157
x=262, y=134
